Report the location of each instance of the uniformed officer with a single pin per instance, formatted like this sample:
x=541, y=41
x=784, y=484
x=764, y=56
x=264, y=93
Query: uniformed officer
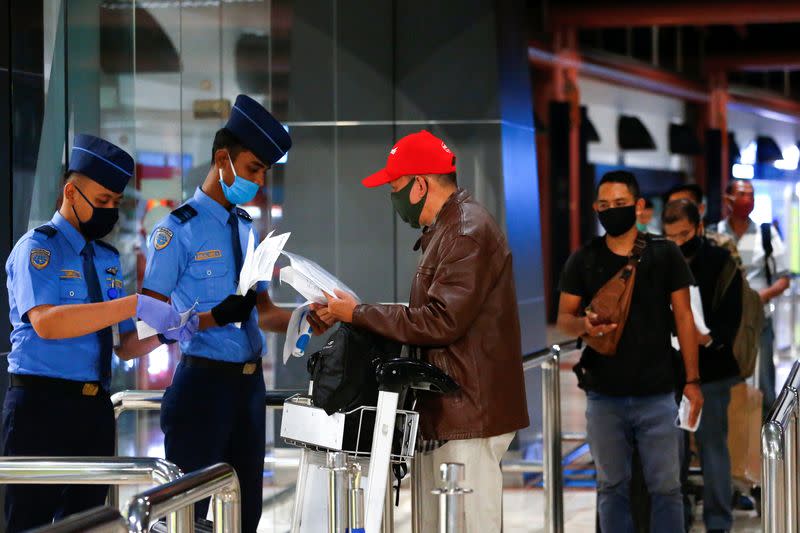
x=214, y=410
x=68, y=308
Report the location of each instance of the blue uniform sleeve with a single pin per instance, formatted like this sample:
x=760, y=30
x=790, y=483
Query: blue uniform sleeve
x=34, y=275
x=165, y=258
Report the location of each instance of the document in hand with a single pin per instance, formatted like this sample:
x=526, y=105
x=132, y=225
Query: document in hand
x=682, y=420
x=259, y=262
x=310, y=280
x=145, y=330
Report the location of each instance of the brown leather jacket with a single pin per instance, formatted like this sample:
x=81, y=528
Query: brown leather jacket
x=463, y=315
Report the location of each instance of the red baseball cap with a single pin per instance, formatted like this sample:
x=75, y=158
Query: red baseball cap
x=418, y=153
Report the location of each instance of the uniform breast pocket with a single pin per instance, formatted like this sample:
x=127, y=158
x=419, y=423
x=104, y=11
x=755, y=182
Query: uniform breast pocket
x=211, y=281
x=73, y=292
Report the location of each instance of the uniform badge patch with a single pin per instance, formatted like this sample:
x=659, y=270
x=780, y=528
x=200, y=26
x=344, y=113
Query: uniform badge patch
x=207, y=254
x=40, y=258
x=162, y=238
x=112, y=270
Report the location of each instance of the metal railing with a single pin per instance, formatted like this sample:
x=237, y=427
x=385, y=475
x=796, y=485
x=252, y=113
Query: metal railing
x=97, y=520
x=177, y=499
x=87, y=470
x=112, y=471
x=150, y=400
x=549, y=361
x=780, y=503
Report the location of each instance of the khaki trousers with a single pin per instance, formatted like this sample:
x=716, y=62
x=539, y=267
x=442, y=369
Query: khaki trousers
x=481, y=460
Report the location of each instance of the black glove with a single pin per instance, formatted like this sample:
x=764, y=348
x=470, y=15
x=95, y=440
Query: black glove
x=234, y=308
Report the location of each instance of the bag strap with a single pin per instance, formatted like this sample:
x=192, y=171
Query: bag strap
x=766, y=244
x=635, y=257
x=638, y=249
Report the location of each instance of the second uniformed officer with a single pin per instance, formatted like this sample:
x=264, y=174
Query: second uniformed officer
x=68, y=310
x=214, y=410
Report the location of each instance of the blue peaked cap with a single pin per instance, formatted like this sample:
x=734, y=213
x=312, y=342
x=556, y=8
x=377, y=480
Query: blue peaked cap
x=258, y=130
x=104, y=162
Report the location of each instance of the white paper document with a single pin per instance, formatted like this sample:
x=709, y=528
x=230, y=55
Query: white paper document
x=311, y=280
x=697, y=313
x=697, y=310
x=259, y=262
x=145, y=330
x=683, y=416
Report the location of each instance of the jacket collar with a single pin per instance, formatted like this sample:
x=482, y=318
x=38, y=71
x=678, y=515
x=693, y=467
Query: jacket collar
x=446, y=213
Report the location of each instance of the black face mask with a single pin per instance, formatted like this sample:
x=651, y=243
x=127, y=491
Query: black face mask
x=100, y=223
x=618, y=220
x=409, y=213
x=690, y=247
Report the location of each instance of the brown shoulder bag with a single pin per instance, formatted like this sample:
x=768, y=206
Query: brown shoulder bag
x=612, y=303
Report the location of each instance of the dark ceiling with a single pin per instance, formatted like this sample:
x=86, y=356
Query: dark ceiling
x=764, y=56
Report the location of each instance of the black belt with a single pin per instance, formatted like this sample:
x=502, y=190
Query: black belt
x=83, y=388
x=246, y=369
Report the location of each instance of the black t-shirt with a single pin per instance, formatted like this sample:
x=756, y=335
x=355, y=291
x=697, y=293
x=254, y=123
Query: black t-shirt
x=645, y=361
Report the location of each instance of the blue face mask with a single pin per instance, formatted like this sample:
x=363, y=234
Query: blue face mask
x=242, y=190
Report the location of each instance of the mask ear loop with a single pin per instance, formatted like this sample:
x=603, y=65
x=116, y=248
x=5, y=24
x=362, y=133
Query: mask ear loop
x=85, y=199
x=232, y=168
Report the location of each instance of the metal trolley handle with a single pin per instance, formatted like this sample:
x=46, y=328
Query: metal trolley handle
x=396, y=374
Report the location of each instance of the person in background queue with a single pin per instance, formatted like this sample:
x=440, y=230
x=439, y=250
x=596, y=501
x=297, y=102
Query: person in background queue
x=630, y=394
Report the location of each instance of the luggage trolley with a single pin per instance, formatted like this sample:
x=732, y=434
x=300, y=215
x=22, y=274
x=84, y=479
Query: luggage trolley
x=339, y=447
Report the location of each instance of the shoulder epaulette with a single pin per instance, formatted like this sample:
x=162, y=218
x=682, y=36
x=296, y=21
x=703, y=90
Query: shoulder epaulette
x=47, y=230
x=244, y=214
x=184, y=213
x=106, y=245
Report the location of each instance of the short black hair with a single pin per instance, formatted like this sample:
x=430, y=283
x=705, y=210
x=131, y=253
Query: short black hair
x=620, y=176
x=450, y=179
x=693, y=189
x=732, y=183
x=648, y=203
x=225, y=139
x=682, y=209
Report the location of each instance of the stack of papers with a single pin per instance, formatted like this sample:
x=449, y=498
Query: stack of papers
x=259, y=262
x=311, y=280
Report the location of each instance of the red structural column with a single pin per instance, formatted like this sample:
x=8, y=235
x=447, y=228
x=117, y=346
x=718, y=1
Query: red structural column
x=718, y=119
x=566, y=90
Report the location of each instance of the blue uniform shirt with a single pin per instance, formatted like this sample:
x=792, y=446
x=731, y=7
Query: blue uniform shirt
x=190, y=257
x=47, y=269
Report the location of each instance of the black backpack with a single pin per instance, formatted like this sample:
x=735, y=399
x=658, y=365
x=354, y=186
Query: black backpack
x=343, y=371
